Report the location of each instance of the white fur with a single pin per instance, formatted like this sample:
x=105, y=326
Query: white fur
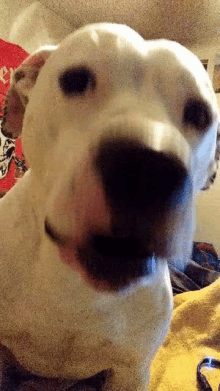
x=54, y=322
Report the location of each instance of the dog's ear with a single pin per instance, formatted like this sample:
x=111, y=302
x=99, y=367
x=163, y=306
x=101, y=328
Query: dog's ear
x=23, y=81
x=213, y=168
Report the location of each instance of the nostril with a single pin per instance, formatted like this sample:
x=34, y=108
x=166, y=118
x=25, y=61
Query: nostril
x=134, y=175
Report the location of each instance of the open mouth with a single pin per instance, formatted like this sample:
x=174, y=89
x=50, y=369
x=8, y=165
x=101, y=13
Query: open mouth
x=108, y=246
x=119, y=261
x=112, y=261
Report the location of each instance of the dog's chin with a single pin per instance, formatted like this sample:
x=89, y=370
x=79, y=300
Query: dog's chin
x=108, y=263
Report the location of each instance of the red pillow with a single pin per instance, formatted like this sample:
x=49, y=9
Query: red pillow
x=12, y=162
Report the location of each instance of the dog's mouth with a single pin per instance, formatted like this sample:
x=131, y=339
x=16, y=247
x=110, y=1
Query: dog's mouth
x=118, y=260
x=107, y=262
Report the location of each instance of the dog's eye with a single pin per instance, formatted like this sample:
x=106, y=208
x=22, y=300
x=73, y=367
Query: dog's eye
x=77, y=81
x=197, y=114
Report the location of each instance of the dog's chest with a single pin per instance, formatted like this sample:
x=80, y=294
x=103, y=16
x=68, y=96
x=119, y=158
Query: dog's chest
x=52, y=337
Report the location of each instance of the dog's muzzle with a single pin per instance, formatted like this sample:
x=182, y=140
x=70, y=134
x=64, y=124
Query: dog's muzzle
x=144, y=189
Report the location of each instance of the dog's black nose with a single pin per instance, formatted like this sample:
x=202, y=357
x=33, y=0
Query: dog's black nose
x=136, y=177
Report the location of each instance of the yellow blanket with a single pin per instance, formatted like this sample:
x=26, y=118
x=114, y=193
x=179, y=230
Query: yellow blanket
x=194, y=335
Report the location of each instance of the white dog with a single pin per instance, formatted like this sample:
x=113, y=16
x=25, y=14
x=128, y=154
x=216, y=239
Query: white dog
x=120, y=134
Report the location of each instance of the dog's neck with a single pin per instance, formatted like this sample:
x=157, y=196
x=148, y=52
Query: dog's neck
x=19, y=241
x=17, y=216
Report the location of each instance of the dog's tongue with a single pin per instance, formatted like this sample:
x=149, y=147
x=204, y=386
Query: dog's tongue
x=91, y=211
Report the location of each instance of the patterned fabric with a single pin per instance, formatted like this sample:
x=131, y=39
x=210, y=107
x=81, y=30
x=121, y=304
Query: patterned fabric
x=202, y=270
x=12, y=162
x=205, y=255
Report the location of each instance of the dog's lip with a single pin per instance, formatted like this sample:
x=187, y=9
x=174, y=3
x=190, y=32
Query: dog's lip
x=69, y=255
x=103, y=286
x=53, y=234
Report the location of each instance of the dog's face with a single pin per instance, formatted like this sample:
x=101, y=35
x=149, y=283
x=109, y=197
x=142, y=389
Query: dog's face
x=126, y=135
x=120, y=134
